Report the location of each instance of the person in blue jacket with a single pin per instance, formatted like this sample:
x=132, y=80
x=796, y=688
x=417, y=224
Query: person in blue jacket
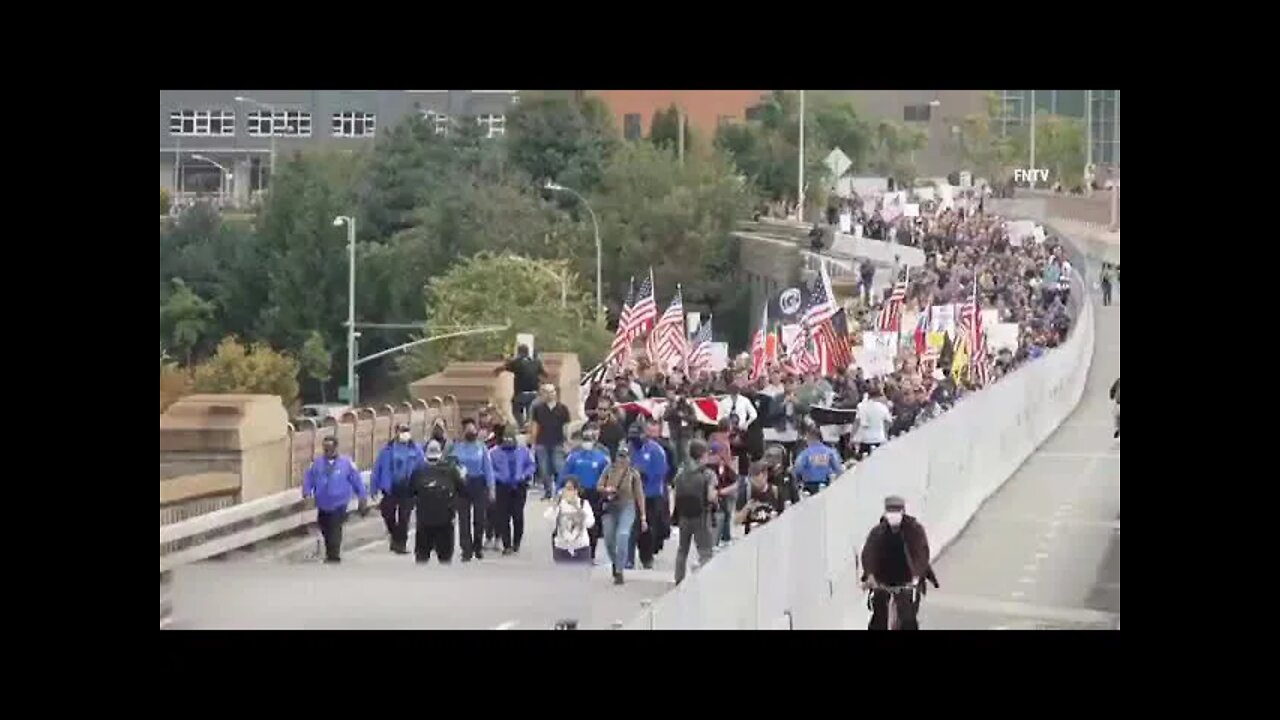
x=818, y=464
x=587, y=462
x=650, y=459
x=513, y=468
x=331, y=480
x=396, y=462
x=472, y=457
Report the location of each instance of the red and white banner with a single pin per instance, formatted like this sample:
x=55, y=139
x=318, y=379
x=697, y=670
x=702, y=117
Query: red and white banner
x=706, y=410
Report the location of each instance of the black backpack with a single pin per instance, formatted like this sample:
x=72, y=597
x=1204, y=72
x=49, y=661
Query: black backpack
x=691, y=491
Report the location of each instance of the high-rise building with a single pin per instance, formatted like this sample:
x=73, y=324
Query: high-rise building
x=1101, y=106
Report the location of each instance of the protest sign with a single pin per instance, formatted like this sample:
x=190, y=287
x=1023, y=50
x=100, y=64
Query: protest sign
x=990, y=317
x=719, y=358
x=942, y=319
x=1002, y=336
x=911, y=210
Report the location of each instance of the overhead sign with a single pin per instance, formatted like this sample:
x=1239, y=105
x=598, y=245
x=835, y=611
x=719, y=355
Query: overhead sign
x=837, y=162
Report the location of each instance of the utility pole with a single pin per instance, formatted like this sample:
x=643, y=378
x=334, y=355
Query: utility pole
x=800, y=186
x=1033, y=138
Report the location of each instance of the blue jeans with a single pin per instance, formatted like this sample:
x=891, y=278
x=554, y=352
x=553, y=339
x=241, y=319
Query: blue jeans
x=726, y=518
x=617, y=533
x=550, y=462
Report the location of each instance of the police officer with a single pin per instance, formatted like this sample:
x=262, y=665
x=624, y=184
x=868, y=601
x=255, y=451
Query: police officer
x=332, y=479
x=818, y=464
x=391, y=471
x=436, y=487
x=513, y=468
x=473, y=503
x=587, y=462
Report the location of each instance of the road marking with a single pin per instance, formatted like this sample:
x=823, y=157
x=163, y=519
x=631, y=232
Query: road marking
x=1042, y=556
x=1076, y=455
x=507, y=625
x=166, y=623
x=1010, y=609
x=1017, y=594
x=1024, y=580
x=1030, y=567
x=1053, y=522
x=999, y=627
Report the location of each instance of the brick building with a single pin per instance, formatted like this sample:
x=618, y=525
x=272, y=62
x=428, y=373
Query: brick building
x=705, y=109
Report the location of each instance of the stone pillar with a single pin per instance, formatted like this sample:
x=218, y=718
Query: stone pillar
x=240, y=186
x=217, y=450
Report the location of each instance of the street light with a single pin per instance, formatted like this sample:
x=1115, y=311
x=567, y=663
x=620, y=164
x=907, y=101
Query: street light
x=272, y=109
x=225, y=172
x=351, y=305
x=595, y=224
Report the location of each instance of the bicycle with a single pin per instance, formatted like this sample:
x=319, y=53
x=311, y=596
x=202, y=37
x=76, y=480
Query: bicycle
x=893, y=591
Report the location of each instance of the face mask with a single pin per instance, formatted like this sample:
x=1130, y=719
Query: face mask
x=588, y=445
x=470, y=435
x=405, y=437
x=509, y=443
x=331, y=453
x=893, y=518
x=571, y=495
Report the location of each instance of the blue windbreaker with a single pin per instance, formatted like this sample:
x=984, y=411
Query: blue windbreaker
x=473, y=458
x=650, y=460
x=818, y=464
x=396, y=462
x=511, y=466
x=586, y=465
x=332, y=483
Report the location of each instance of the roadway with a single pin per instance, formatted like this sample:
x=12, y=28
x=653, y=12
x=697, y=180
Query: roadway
x=374, y=589
x=1044, y=552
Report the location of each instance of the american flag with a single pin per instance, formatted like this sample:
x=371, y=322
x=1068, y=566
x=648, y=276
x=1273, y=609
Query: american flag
x=970, y=324
x=819, y=305
x=803, y=355
x=833, y=339
x=922, y=329
x=890, y=317
x=700, y=354
x=637, y=316
x=669, y=341
x=758, y=346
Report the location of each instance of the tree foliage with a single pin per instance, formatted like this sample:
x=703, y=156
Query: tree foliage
x=562, y=140
x=1060, y=147
x=490, y=289
x=981, y=146
x=316, y=362
x=165, y=202
x=254, y=370
x=664, y=131
x=185, y=318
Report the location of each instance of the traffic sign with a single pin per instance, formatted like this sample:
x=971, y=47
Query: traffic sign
x=838, y=162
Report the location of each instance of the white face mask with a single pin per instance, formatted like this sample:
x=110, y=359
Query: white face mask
x=405, y=437
x=587, y=444
x=893, y=518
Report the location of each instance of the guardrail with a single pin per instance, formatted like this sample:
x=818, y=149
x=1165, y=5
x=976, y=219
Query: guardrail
x=801, y=570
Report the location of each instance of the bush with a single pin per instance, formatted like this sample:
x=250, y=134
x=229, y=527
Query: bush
x=257, y=370
x=165, y=202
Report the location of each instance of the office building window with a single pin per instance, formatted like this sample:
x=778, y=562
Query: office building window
x=354, y=124
x=916, y=113
x=197, y=123
x=631, y=126
x=282, y=123
x=495, y=125
x=439, y=121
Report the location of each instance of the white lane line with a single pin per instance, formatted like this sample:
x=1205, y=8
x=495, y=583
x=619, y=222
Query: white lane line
x=1076, y=455
x=1024, y=580
x=1042, y=556
x=1030, y=567
x=1027, y=611
x=507, y=625
x=1017, y=594
x=1054, y=522
x=999, y=627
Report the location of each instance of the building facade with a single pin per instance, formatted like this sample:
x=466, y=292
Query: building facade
x=219, y=144
x=1101, y=107
x=934, y=112
x=705, y=110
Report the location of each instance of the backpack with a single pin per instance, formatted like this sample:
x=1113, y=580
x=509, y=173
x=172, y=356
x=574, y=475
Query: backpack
x=691, y=491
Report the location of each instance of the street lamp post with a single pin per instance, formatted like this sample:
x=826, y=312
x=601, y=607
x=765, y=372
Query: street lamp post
x=272, y=110
x=224, y=172
x=1033, y=139
x=596, y=225
x=351, y=305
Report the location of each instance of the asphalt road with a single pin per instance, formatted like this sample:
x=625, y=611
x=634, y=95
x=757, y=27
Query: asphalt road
x=1044, y=552
x=374, y=589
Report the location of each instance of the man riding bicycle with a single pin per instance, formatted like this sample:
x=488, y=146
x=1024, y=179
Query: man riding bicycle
x=895, y=561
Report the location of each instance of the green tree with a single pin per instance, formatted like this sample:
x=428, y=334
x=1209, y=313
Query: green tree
x=165, y=202
x=185, y=318
x=1060, y=147
x=980, y=144
x=676, y=217
x=496, y=289
x=664, y=131
x=766, y=149
x=561, y=140
x=893, y=150
x=316, y=362
x=255, y=370
x=305, y=255
x=408, y=164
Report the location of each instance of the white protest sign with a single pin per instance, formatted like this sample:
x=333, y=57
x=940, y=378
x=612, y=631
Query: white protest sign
x=948, y=198
x=877, y=354
x=846, y=223
x=693, y=319
x=911, y=210
x=719, y=359
x=925, y=193
x=525, y=339
x=857, y=230
x=942, y=319
x=1020, y=230
x=1002, y=336
x=1038, y=233
x=990, y=316
x=867, y=186
x=966, y=178
x=789, y=335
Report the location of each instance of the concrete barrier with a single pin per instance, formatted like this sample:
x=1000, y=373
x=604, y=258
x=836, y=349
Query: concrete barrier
x=801, y=571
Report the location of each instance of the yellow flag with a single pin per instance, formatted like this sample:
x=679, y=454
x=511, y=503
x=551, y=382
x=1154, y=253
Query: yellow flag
x=960, y=362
